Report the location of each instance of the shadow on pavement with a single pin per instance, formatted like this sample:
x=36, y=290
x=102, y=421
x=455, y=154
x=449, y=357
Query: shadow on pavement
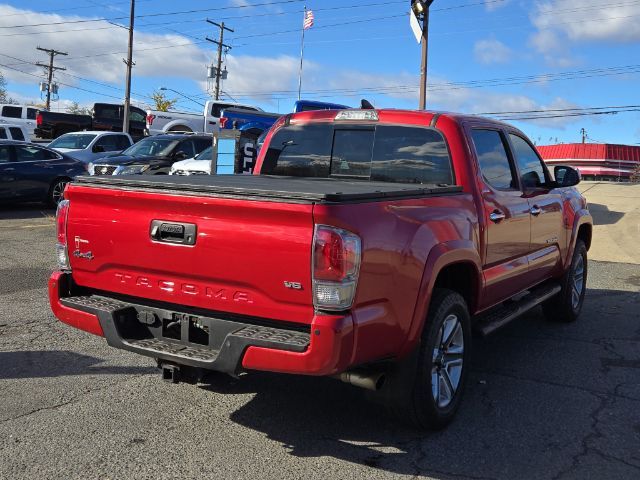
x=26, y=211
x=539, y=395
x=603, y=216
x=57, y=363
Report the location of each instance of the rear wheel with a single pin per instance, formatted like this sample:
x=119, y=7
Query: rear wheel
x=56, y=191
x=430, y=395
x=567, y=305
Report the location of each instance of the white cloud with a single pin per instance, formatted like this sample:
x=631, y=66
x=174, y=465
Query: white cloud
x=561, y=23
x=491, y=51
x=251, y=77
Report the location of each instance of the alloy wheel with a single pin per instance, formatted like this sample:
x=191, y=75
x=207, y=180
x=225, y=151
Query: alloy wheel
x=447, y=361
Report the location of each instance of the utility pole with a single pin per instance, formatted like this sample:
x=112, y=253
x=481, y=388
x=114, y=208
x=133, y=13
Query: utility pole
x=130, y=64
x=584, y=135
x=421, y=9
x=220, y=44
x=51, y=67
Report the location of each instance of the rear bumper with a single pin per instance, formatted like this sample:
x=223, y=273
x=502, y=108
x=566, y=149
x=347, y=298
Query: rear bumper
x=206, y=341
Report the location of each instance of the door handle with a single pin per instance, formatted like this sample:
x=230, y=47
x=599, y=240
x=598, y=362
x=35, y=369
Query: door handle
x=496, y=216
x=535, y=210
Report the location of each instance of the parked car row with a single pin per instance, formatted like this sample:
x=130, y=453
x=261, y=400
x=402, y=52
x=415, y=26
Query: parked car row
x=94, y=145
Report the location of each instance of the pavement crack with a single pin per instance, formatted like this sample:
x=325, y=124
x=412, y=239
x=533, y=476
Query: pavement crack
x=614, y=394
x=605, y=402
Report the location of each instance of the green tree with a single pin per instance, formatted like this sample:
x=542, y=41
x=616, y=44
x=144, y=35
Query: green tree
x=75, y=108
x=163, y=104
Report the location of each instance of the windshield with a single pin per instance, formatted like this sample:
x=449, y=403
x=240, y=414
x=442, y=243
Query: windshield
x=206, y=154
x=151, y=147
x=72, y=141
x=383, y=153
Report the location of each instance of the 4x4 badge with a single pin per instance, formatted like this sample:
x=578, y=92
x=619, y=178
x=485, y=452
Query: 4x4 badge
x=77, y=253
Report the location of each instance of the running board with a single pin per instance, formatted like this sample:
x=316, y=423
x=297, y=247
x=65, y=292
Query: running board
x=497, y=317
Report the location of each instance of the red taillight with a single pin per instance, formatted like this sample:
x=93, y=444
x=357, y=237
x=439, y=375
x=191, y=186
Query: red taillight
x=61, y=233
x=336, y=264
x=61, y=221
x=150, y=119
x=39, y=119
x=223, y=122
x=335, y=255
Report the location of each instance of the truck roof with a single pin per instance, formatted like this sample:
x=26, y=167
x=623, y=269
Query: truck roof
x=392, y=115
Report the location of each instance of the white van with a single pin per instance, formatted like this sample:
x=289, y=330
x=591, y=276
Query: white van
x=19, y=115
x=10, y=131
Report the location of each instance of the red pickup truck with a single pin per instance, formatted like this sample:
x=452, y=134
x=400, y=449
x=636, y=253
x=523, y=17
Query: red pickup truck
x=367, y=246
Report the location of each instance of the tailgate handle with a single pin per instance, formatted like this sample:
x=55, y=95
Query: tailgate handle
x=172, y=232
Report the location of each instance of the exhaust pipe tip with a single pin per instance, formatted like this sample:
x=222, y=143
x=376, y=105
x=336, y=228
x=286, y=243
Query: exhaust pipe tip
x=368, y=380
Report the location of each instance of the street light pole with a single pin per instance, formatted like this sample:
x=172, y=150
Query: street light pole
x=421, y=9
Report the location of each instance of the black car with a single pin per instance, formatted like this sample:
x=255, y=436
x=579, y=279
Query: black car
x=32, y=173
x=151, y=155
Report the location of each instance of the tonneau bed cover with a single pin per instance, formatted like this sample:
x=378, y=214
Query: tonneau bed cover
x=267, y=187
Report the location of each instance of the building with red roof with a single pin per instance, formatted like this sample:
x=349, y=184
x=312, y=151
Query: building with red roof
x=595, y=161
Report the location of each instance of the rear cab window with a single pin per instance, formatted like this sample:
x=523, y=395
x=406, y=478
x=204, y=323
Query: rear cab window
x=385, y=153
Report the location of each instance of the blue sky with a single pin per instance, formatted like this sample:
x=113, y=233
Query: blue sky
x=484, y=56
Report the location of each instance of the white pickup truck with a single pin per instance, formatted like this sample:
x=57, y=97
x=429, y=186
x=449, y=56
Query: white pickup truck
x=164, y=122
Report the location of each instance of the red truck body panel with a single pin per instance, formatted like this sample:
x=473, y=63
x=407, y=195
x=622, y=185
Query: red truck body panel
x=247, y=249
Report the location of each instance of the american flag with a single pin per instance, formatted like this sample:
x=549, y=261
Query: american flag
x=308, y=20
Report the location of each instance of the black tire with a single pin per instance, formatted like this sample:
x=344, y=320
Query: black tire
x=567, y=305
x=410, y=392
x=56, y=190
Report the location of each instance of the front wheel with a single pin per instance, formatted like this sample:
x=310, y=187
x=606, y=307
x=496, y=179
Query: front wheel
x=431, y=395
x=567, y=305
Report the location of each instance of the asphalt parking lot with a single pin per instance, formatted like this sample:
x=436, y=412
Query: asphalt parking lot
x=545, y=401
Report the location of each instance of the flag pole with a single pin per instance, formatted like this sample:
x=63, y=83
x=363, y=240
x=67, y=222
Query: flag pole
x=304, y=17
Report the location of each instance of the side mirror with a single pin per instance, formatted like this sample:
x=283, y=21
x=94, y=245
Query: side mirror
x=98, y=149
x=180, y=155
x=566, y=176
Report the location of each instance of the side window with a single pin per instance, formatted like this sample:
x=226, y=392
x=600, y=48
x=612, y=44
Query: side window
x=123, y=142
x=532, y=172
x=3, y=133
x=16, y=133
x=12, y=112
x=410, y=155
x=108, y=112
x=29, y=153
x=493, y=160
x=187, y=148
x=137, y=116
x=32, y=113
x=5, y=153
x=109, y=143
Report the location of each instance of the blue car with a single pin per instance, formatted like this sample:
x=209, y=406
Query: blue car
x=31, y=173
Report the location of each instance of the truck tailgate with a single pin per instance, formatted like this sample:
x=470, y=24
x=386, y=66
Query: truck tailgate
x=245, y=258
